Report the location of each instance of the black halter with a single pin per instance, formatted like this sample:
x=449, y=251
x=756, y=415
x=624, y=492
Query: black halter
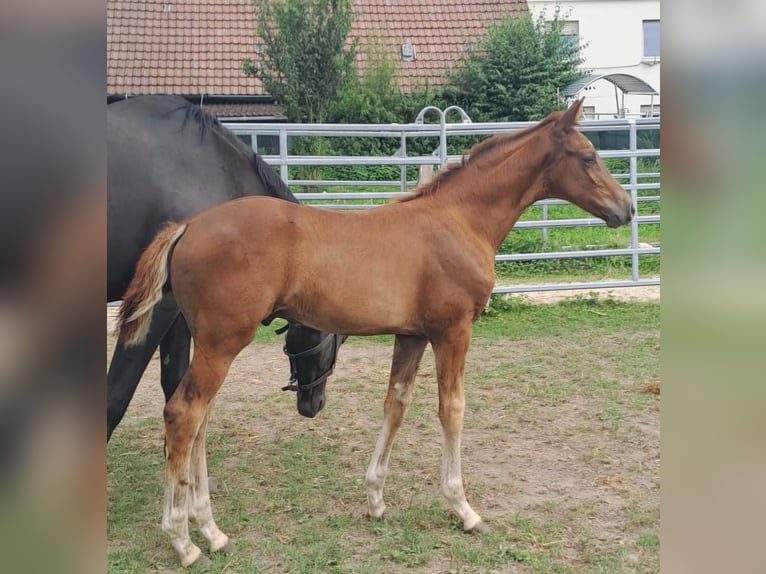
x=318, y=348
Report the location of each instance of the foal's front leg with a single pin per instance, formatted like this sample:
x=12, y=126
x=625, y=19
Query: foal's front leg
x=408, y=351
x=450, y=353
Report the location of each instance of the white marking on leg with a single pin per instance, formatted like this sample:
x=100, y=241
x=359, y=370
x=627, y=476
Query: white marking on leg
x=199, y=502
x=376, y=472
x=452, y=483
x=175, y=518
x=375, y=478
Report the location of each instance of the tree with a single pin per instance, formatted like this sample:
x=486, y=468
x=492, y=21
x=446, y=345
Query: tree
x=516, y=71
x=376, y=96
x=305, y=60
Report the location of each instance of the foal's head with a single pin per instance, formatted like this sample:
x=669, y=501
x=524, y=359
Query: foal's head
x=312, y=359
x=578, y=175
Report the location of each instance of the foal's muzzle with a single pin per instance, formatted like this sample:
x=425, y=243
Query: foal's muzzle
x=618, y=219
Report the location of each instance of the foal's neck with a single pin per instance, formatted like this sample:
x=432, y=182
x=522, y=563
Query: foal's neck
x=496, y=190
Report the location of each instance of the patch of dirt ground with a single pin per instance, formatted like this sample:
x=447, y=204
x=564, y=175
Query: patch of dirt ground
x=643, y=294
x=532, y=445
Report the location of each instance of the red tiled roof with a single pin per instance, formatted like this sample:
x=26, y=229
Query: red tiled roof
x=244, y=110
x=180, y=47
x=438, y=29
x=196, y=46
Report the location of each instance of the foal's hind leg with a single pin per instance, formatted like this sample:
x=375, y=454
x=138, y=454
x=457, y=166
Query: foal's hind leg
x=199, y=502
x=408, y=351
x=450, y=352
x=185, y=414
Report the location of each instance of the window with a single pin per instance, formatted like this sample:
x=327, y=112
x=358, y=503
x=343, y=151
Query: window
x=650, y=111
x=651, y=38
x=589, y=112
x=571, y=33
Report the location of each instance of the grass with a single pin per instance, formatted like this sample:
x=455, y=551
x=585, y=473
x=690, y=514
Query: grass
x=576, y=239
x=517, y=319
x=564, y=379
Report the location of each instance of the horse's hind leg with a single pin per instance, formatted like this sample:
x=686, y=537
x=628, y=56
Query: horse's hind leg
x=128, y=364
x=185, y=415
x=174, y=355
x=199, y=502
x=408, y=351
x=450, y=352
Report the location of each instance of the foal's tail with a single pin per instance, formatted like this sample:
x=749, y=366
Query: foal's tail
x=145, y=290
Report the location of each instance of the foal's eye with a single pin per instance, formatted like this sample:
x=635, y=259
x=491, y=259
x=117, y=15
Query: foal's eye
x=589, y=160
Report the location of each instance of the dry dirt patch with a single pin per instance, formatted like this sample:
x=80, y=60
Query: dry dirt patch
x=643, y=294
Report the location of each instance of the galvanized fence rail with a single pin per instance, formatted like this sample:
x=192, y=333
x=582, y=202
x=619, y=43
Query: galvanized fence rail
x=285, y=133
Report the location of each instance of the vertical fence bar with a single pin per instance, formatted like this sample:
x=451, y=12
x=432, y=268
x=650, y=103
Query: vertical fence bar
x=403, y=168
x=283, y=173
x=634, y=195
x=545, y=229
x=443, y=141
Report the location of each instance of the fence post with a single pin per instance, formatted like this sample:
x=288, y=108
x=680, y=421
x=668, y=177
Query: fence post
x=403, y=168
x=634, y=195
x=442, y=140
x=283, y=155
x=545, y=229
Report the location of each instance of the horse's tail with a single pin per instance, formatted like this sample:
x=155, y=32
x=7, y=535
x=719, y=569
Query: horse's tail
x=145, y=290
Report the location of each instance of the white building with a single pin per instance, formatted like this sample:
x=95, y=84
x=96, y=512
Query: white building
x=622, y=40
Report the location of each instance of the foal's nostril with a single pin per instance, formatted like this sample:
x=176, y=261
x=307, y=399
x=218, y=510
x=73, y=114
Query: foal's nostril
x=632, y=210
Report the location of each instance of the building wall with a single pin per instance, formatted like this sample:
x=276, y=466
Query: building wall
x=614, y=33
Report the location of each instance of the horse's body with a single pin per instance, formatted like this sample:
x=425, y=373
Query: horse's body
x=421, y=269
x=167, y=160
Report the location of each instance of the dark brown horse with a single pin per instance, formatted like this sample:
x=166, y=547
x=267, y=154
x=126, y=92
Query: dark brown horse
x=421, y=269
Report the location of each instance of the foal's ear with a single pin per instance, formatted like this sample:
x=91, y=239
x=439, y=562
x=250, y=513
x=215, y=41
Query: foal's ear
x=571, y=117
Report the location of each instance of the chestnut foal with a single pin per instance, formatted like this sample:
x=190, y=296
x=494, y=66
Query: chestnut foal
x=421, y=269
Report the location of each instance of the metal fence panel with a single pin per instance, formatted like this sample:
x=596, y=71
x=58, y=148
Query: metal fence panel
x=630, y=150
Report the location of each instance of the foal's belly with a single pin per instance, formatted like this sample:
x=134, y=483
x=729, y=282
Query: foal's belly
x=373, y=311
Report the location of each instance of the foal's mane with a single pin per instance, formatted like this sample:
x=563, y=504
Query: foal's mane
x=207, y=122
x=476, y=154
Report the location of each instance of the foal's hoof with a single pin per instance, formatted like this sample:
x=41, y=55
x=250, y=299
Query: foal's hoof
x=479, y=528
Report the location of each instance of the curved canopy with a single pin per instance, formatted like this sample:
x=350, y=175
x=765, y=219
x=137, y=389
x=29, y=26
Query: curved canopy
x=625, y=82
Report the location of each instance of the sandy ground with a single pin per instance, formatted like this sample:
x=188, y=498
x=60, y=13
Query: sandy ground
x=646, y=294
